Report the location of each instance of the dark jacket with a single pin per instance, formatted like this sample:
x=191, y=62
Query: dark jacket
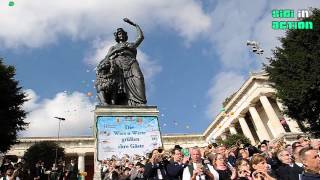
x=72, y=172
x=150, y=171
x=286, y=172
x=175, y=170
x=310, y=176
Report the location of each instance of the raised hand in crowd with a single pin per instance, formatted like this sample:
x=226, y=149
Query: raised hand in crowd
x=261, y=175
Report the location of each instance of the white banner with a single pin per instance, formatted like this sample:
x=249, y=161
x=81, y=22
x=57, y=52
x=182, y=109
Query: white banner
x=117, y=136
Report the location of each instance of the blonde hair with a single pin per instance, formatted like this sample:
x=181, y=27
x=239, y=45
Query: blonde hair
x=256, y=159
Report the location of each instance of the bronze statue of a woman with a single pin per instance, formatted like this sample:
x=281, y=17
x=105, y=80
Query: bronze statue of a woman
x=119, y=78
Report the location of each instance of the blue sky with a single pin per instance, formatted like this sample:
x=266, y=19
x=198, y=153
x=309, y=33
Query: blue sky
x=194, y=55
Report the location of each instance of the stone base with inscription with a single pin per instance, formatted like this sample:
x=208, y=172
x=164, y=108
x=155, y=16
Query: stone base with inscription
x=119, y=129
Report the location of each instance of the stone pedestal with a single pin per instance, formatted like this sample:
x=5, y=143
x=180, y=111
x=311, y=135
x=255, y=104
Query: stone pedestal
x=118, y=111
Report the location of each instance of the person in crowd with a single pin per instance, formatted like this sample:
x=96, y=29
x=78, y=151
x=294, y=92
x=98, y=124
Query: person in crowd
x=288, y=148
x=296, y=147
x=176, y=165
x=243, y=169
x=114, y=171
x=287, y=170
x=315, y=144
x=137, y=173
x=304, y=140
x=243, y=153
x=263, y=147
x=225, y=170
x=251, y=149
x=43, y=176
x=72, y=171
x=300, y=138
x=211, y=147
x=155, y=168
x=231, y=156
x=10, y=174
x=6, y=163
x=19, y=171
x=125, y=174
x=104, y=168
x=260, y=169
x=197, y=170
x=311, y=162
x=54, y=174
x=62, y=170
x=37, y=171
x=221, y=149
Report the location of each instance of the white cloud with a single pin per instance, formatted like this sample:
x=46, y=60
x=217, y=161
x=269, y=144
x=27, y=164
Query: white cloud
x=99, y=51
x=37, y=23
x=76, y=108
x=149, y=67
x=223, y=85
x=232, y=23
x=31, y=102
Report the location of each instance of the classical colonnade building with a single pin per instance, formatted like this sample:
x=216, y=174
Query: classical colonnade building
x=252, y=111
x=255, y=112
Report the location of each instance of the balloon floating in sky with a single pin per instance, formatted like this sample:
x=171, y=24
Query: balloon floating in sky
x=89, y=94
x=187, y=126
x=11, y=3
x=139, y=120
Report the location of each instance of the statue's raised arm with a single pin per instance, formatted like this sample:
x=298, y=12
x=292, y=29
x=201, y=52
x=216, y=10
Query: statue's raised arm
x=140, y=36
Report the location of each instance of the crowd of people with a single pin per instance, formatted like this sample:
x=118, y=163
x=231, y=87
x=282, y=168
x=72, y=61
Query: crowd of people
x=266, y=161
x=21, y=171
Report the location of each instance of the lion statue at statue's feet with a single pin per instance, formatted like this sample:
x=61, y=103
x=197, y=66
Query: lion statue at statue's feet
x=110, y=84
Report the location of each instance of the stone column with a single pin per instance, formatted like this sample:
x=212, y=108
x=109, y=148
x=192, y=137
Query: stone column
x=81, y=162
x=274, y=124
x=232, y=129
x=261, y=129
x=293, y=125
x=246, y=130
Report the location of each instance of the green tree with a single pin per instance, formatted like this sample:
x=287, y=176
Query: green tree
x=11, y=113
x=44, y=151
x=234, y=139
x=295, y=74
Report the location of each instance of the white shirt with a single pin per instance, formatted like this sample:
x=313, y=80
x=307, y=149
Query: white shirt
x=299, y=164
x=187, y=176
x=7, y=177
